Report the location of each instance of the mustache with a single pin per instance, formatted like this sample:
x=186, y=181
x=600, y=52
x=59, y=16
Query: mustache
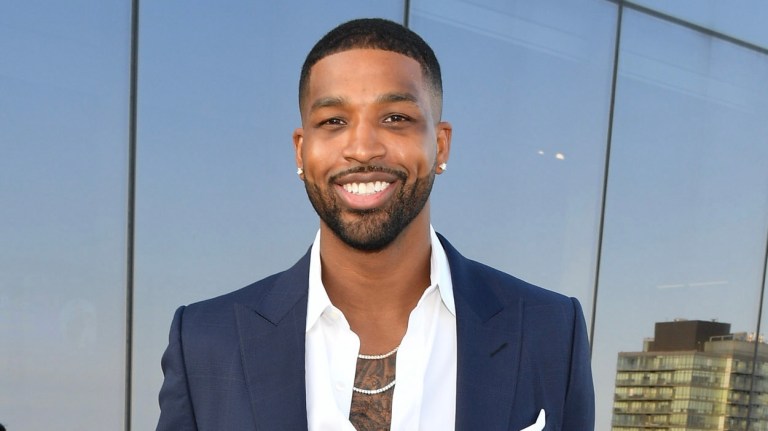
x=367, y=169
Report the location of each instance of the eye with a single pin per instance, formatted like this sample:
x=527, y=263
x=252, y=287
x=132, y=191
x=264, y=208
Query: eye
x=396, y=118
x=332, y=122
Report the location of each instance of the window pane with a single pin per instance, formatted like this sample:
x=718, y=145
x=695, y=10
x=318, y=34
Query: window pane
x=527, y=89
x=742, y=19
x=687, y=192
x=219, y=202
x=63, y=134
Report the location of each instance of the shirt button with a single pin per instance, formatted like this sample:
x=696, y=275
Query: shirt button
x=339, y=386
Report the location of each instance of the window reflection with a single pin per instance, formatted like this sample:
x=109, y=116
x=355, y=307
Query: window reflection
x=741, y=19
x=63, y=138
x=527, y=89
x=685, y=212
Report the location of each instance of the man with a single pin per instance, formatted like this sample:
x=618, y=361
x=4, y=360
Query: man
x=382, y=324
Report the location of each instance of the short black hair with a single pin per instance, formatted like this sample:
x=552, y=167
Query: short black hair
x=375, y=33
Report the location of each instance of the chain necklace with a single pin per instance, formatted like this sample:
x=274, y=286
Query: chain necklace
x=389, y=386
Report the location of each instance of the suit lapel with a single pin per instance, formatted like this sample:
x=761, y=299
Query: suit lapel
x=272, y=341
x=272, y=334
x=489, y=346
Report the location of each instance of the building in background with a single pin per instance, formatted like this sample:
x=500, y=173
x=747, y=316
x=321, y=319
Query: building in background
x=693, y=375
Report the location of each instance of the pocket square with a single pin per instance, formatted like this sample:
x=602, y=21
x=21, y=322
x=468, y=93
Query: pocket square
x=539, y=425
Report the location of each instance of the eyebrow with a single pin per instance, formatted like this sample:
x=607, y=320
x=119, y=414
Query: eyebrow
x=397, y=97
x=332, y=101
x=326, y=102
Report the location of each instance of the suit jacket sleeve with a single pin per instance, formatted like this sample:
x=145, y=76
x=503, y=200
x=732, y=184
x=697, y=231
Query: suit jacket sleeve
x=176, y=411
x=579, y=411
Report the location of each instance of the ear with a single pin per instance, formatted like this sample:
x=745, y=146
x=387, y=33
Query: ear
x=298, y=143
x=444, y=132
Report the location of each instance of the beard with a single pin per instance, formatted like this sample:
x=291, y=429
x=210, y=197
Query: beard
x=372, y=229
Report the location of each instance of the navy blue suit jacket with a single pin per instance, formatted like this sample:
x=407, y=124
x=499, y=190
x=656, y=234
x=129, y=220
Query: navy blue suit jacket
x=236, y=362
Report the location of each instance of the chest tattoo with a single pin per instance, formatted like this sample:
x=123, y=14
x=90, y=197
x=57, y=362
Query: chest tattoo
x=372, y=398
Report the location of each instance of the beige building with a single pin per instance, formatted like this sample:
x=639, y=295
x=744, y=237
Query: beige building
x=693, y=375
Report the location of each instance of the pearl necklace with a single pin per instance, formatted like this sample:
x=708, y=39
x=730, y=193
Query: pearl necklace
x=384, y=356
x=374, y=391
x=389, y=386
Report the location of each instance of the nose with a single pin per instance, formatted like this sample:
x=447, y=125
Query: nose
x=363, y=143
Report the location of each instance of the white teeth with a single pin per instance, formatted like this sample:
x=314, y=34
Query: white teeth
x=366, y=188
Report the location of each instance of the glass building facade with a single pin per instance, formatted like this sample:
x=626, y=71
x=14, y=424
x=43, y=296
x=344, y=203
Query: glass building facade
x=718, y=383
x=613, y=151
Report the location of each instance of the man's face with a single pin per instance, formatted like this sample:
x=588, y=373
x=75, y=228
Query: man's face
x=369, y=144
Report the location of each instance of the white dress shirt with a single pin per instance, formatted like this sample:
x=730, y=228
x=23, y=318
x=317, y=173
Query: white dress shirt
x=425, y=393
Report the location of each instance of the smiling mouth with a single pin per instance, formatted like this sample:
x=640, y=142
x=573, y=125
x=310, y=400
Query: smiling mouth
x=364, y=189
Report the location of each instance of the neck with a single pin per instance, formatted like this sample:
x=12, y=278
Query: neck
x=376, y=291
